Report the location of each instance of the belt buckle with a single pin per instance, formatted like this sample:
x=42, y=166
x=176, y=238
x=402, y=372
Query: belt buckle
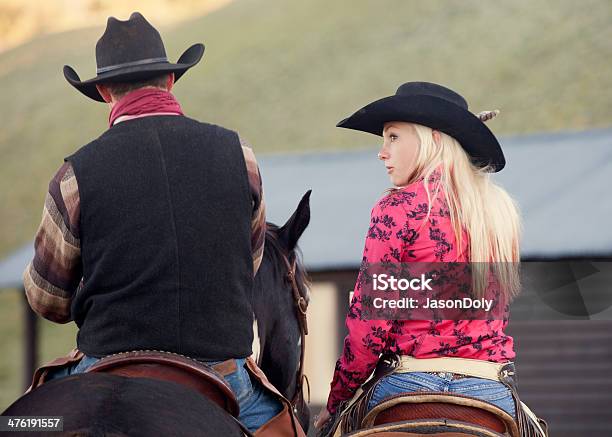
x=448, y=375
x=439, y=374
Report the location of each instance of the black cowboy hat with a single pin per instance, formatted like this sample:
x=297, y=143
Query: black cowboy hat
x=129, y=51
x=437, y=107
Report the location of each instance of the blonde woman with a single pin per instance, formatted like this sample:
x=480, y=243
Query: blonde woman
x=444, y=208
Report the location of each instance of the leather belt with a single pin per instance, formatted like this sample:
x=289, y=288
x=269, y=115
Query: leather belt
x=464, y=366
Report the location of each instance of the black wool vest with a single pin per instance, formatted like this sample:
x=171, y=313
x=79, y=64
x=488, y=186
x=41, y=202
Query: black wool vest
x=165, y=240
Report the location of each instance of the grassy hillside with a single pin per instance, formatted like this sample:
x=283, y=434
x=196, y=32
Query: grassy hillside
x=284, y=72
x=21, y=20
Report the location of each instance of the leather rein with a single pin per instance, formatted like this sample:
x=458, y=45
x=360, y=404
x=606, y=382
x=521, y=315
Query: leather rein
x=301, y=306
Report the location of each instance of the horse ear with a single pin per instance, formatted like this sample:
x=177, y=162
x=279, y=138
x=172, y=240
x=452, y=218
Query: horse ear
x=291, y=231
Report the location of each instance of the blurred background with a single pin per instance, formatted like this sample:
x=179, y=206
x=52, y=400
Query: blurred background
x=283, y=73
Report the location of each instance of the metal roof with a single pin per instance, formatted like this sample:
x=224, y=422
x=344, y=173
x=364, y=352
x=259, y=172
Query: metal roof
x=11, y=268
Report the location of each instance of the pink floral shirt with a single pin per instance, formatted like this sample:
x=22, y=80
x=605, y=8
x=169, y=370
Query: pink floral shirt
x=398, y=233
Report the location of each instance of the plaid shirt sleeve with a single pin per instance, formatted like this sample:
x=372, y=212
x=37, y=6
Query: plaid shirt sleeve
x=54, y=274
x=258, y=220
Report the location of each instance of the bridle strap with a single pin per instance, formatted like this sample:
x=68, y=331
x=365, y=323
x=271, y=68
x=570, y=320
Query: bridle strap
x=301, y=306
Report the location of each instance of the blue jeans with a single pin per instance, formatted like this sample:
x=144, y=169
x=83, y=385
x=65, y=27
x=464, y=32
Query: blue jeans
x=79, y=367
x=257, y=404
x=487, y=390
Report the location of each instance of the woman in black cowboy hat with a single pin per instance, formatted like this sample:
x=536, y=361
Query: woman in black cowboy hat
x=443, y=208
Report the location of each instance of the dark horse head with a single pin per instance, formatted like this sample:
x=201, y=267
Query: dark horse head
x=277, y=325
x=102, y=404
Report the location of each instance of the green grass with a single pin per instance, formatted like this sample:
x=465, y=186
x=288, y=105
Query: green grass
x=54, y=340
x=284, y=72
x=11, y=339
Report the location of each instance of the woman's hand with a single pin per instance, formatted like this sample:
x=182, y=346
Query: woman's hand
x=322, y=418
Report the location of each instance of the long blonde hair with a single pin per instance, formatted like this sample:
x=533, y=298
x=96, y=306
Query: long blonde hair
x=477, y=205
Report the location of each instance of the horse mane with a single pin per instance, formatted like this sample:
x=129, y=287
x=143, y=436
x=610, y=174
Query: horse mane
x=274, y=251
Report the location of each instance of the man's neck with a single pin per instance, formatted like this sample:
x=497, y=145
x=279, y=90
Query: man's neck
x=115, y=100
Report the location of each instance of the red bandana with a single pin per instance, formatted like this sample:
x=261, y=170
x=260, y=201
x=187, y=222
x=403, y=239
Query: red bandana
x=145, y=101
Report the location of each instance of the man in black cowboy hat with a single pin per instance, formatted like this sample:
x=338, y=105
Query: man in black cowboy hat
x=152, y=233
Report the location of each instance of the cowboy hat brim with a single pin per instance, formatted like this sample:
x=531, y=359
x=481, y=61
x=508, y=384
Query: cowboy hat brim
x=473, y=135
x=188, y=59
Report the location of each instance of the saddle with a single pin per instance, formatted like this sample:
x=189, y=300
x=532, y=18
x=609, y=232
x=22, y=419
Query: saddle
x=167, y=366
x=429, y=412
x=429, y=428
x=433, y=412
x=442, y=412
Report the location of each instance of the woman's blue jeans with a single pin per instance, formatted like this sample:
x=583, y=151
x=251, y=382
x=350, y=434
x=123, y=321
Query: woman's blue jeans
x=487, y=390
x=257, y=404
